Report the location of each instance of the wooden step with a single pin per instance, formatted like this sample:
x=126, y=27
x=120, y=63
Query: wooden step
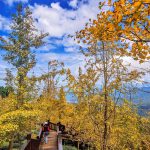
x=52, y=142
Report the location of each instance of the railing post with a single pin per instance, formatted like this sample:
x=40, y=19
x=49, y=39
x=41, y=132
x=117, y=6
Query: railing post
x=58, y=129
x=28, y=138
x=60, y=146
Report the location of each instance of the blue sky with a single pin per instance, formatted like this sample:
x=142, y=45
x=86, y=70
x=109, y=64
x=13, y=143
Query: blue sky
x=59, y=18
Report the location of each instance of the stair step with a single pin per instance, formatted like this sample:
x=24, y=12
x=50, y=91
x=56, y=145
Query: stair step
x=52, y=142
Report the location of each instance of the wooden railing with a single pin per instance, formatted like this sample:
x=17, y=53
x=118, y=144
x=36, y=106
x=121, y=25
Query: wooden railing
x=53, y=126
x=33, y=144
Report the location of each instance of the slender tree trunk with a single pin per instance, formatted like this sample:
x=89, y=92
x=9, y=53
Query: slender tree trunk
x=105, y=124
x=10, y=147
x=105, y=63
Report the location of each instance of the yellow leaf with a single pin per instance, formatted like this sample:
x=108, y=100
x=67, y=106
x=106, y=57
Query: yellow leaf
x=119, y=18
x=146, y=1
x=137, y=4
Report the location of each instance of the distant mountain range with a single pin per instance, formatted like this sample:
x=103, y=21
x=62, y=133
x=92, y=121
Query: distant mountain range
x=143, y=96
x=141, y=99
x=144, y=106
x=144, y=109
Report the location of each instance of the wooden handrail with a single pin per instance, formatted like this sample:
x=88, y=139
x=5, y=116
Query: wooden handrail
x=25, y=145
x=33, y=144
x=53, y=126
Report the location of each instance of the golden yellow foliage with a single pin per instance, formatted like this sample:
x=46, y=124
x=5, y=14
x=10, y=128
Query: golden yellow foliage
x=129, y=21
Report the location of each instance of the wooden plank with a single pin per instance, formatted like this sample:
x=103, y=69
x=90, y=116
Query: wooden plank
x=52, y=142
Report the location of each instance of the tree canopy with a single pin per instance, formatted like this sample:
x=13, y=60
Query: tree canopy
x=104, y=115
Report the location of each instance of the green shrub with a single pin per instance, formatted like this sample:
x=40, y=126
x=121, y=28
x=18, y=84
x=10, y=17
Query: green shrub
x=67, y=147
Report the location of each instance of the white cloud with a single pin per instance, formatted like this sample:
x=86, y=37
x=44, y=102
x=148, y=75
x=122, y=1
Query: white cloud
x=72, y=61
x=10, y=2
x=143, y=67
x=70, y=49
x=73, y=3
x=56, y=6
x=4, y=23
x=70, y=44
x=46, y=48
x=69, y=59
x=59, y=21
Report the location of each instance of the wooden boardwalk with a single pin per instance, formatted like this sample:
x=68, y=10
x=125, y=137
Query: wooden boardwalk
x=52, y=142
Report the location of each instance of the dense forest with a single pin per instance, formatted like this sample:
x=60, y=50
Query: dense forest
x=102, y=112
